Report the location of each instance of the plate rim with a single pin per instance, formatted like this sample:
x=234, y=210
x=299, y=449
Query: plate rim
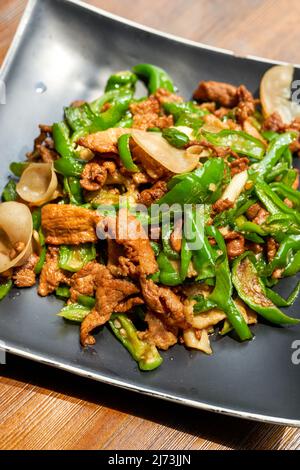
x=40, y=358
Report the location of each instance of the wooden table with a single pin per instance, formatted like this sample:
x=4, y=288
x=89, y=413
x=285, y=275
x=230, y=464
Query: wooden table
x=43, y=408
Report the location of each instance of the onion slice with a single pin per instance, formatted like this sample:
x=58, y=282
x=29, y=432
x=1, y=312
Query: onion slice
x=235, y=186
x=38, y=183
x=171, y=158
x=275, y=93
x=15, y=229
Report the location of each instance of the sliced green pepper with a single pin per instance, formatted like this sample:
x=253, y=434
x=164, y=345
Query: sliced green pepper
x=121, y=79
x=74, y=312
x=39, y=266
x=238, y=141
x=252, y=291
x=200, y=186
x=73, y=258
x=280, y=301
x=63, y=292
x=87, y=301
x=73, y=189
x=175, y=137
x=154, y=76
x=145, y=354
x=222, y=293
x=17, y=168
x=5, y=288
x=125, y=153
x=10, y=192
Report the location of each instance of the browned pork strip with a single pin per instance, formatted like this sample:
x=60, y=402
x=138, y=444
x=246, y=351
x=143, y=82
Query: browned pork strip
x=164, y=302
x=84, y=282
x=51, y=275
x=24, y=276
x=68, y=224
x=222, y=93
x=111, y=296
x=149, y=196
x=146, y=114
x=157, y=333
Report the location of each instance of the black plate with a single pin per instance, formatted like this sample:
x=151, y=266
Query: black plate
x=71, y=49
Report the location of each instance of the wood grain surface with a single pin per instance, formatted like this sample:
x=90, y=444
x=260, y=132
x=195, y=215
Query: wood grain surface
x=43, y=408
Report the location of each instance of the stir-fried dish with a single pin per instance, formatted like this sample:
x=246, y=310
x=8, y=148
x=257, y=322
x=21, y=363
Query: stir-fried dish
x=166, y=220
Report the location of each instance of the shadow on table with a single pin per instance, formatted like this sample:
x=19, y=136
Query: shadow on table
x=225, y=430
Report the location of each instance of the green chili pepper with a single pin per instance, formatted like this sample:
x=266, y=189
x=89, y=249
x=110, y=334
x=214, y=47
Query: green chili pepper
x=156, y=248
x=293, y=267
x=41, y=261
x=63, y=292
x=290, y=177
x=79, y=117
x=36, y=218
x=178, y=109
x=289, y=245
x=5, y=288
x=10, y=192
x=86, y=301
x=126, y=121
x=284, y=191
x=276, y=149
x=272, y=202
x=73, y=258
x=145, y=354
x=200, y=186
x=121, y=79
x=41, y=237
x=245, y=225
x=238, y=141
x=74, y=312
x=69, y=166
x=17, y=168
x=202, y=304
x=62, y=141
x=269, y=135
x=73, y=189
x=154, y=76
x=175, y=137
x=125, y=153
x=203, y=255
x=229, y=216
x=168, y=274
x=222, y=293
x=185, y=258
x=252, y=291
x=280, y=301
x=278, y=170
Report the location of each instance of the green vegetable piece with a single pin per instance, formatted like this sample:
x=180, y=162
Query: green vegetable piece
x=17, y=168
x=175, y=137
x=125, y=153
x=145, y=354
x=185, y=258
x=251, y=290
x=280, y=301
x=10, y=192
x=168, y=274
x=73, y=258
x=36, y=218
x=69, y=166
x=5, y=288
x=238, y=141
x=87, y=301
x=74, y=312
x=73, y=189
x=276, y=148
x=155, y=77
x=62, y=141
x=293, y=267
x=121, y=79
x=201, y=186
x=63, y=292
x=222, y=293
x=39, y=266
